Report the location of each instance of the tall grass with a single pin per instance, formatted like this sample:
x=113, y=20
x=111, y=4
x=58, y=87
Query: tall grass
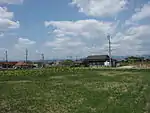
x=75, y=90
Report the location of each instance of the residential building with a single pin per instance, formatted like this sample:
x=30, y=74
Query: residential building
x=98, y=60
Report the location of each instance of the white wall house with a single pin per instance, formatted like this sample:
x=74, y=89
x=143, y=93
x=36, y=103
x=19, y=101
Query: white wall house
x=106, y=63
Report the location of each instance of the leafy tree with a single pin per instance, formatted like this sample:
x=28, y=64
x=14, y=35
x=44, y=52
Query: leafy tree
x=134, y=59
x=68, y=63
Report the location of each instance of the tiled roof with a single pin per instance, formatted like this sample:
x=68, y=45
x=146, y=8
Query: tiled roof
x=98, y=57
x=21, y=64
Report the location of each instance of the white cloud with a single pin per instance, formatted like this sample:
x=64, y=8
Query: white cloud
x=6, y=17
x=79, y=37
x=64, y=42
x=11, y=1
x=23, y=43
x=5, y=14
x=81, y=28
x=6, y=24
x=134, y=41
x=86, y=37
x=100, y=8
x=6, y=20
x=141, y=13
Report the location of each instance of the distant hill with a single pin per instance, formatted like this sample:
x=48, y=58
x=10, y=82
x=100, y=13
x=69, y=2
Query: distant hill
x=119, y=57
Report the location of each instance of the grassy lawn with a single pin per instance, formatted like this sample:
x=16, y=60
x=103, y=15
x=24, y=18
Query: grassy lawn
x=75, y=91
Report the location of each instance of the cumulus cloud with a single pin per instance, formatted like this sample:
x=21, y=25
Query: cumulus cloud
x=6, y=21
x=11, y=1
x=5, y=14
x=134, y=41
x=144, y=12
x=100, y=8
x=76, y=37
x=23, y=43
x=141, y=13
x=6, y=17
x=6, y=24
x=64, y=42
x=86, y=37
x=81, y=28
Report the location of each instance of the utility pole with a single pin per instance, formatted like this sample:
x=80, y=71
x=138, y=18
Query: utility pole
x=42, y=55
x=6, y=56
x=109, y=42
x=76, y=58
x=26, y=55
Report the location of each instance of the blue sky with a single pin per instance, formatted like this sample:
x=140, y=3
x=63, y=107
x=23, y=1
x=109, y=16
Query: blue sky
x=61, y=28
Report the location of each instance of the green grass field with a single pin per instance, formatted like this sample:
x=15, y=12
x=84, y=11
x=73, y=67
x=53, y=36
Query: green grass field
x=75, y=91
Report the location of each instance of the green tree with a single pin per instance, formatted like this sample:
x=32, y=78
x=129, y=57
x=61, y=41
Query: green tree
x=132, y=59
x=68, y=63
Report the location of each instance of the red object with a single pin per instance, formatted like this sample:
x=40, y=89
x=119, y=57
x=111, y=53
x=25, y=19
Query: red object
x=8, y=63
x=21, y=64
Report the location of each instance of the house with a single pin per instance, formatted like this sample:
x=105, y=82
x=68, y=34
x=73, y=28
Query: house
x=23, y=65
x=107, y=64
x=98, y=60
x=78, y=63
x=56, y=63
x=7, y=64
